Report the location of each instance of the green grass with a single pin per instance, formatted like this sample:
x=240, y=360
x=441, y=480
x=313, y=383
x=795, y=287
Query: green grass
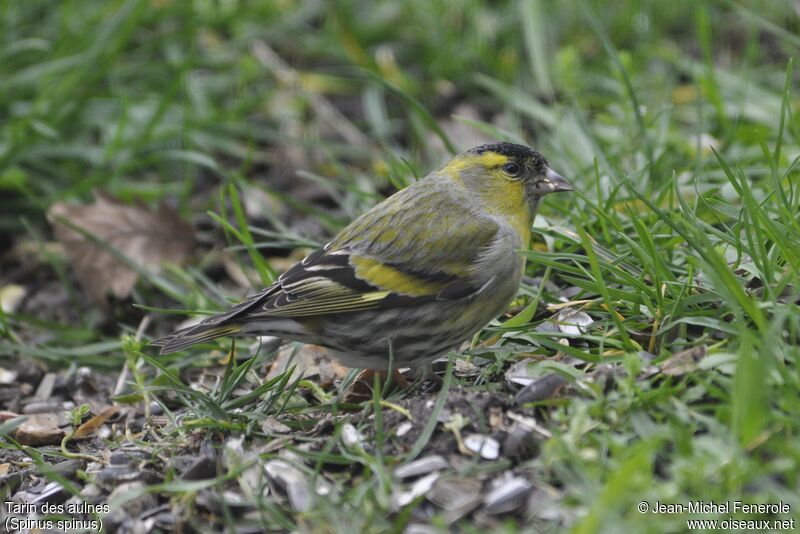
x=671, y=243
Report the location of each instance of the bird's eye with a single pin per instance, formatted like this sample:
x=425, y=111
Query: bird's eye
x=511, y=168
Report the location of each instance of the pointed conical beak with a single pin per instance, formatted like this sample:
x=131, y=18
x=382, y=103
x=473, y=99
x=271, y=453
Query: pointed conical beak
x=552, y=182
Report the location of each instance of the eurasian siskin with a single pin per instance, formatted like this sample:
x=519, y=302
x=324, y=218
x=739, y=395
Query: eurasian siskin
x=413, y=277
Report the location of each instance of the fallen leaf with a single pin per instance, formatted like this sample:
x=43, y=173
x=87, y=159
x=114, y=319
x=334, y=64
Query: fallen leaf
x=146, y=237
x=90, y=427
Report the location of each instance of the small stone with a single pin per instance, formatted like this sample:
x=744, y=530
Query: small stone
x=40, y=429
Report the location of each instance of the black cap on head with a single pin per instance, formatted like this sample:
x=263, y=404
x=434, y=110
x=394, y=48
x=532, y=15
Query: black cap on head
x=512, y=150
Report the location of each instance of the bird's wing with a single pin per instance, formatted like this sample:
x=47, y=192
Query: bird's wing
x=386, y=258
x=389, y=257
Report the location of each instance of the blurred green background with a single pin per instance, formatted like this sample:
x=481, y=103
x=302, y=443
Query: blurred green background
x=149, y=99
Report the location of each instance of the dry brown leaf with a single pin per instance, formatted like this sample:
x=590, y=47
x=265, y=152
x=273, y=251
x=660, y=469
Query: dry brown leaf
x=146, y=237
x=90, y=427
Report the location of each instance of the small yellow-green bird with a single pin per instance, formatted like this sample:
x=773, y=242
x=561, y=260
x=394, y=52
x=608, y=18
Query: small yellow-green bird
x=413, y=277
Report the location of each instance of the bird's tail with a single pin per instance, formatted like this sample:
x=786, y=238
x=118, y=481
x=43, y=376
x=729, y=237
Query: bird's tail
x=187, y=337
